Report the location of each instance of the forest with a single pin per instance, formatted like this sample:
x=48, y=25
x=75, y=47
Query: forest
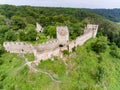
x=93, y=66
x=111, y=14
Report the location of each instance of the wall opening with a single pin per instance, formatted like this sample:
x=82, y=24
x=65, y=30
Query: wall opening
x=60, y=45
x=22, y=50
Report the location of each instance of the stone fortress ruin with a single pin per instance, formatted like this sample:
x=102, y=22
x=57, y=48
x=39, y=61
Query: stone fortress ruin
x=52, y=48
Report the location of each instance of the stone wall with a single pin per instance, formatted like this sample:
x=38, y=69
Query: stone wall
x=91, y=27
x=47, y=45
x=52, y=48
x=71, y=45
x=18, y=47
x=46, y=55
x=89, y=32
x=82, y=39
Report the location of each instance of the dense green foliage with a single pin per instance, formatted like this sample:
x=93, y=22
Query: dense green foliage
x=19, y=18
x=111, y=14
x=100, y=45
x=94, y=66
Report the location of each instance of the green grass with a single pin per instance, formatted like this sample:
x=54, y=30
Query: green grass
x=118, y=23
x=85, y=71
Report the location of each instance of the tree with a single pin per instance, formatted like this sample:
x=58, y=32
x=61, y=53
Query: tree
x=29, y=34
x=30, y=20
x=1, y=49
x=22, y=36
x=114, y=51
x=100, y=45
x=3, y=30
x=75, y=29
x=10, y=36
x=51, y=31
x=2, y=20
x=18, y=23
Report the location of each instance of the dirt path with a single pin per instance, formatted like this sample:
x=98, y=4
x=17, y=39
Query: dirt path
x=29, y=64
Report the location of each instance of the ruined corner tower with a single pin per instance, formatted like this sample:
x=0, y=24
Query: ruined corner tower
x=91, y=28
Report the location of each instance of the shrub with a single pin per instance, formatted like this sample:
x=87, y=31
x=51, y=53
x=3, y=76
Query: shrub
x=114, y=53
x=65, y=52
x=1, y=49
x=100, y=45
x=1, y=61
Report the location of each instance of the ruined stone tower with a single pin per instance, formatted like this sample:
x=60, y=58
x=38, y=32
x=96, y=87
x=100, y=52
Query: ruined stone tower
x=39, y=28
x=91, y=28
x=62, y=35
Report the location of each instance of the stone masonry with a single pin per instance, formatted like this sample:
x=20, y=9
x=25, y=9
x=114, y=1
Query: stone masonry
x=18, y=47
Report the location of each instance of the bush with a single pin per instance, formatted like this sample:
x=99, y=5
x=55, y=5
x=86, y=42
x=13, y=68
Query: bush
x=65, y=52
x=10, y=36
x=1, y=49
x=29, y=34
x=101, y=74
x=100, y=45
x=114, y=51
x=1, y=61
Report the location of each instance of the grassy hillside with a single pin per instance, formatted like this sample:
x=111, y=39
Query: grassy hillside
x=82, y=70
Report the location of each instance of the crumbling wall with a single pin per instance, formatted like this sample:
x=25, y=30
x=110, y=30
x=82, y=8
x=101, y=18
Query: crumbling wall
x=89, y=32
x=95, y=30
x=63, y=48
x=91, y=27
x=18, y=47
x=71, y=45
x=82, y=39
x=46, y=50
x=46, y=55
x=47, y=45
x=52, y=48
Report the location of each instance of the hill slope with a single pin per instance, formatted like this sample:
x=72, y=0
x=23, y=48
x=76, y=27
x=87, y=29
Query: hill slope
x=82, y=69
x=111, y=14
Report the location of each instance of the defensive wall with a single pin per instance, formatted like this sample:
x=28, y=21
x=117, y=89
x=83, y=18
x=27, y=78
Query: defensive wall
x=52, y=48
x=89, y=32
x=18, y=47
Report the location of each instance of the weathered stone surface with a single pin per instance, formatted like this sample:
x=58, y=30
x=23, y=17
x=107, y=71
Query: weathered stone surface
x=91, y=27
x=18, y=47
x=52, y=44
